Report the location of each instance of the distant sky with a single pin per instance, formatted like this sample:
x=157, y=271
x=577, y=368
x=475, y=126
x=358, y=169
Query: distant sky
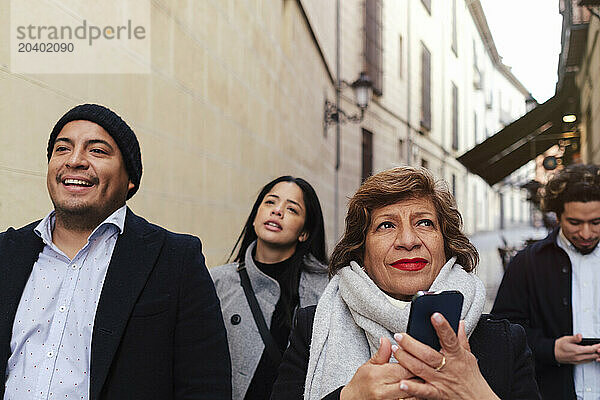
x=527, y=36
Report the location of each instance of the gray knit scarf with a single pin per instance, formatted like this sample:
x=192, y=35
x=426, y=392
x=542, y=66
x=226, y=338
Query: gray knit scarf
x=353, y=313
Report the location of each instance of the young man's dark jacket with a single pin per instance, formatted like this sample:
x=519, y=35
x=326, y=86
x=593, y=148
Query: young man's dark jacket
x=158, y=330
x=536, y=293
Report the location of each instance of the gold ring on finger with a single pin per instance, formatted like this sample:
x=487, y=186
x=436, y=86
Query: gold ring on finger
x=439, y=367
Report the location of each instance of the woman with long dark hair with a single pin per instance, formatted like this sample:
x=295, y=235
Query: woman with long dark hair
x=280, y=266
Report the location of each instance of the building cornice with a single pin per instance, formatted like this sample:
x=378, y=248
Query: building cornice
x=478, y=16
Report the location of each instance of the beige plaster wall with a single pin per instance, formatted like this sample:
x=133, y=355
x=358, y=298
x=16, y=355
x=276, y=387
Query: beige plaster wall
x=234, y=99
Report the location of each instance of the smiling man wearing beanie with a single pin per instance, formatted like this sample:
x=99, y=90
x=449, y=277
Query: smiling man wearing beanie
x=97, y=303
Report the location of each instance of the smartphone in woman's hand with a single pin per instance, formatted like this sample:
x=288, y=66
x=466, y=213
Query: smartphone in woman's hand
x=424, y=304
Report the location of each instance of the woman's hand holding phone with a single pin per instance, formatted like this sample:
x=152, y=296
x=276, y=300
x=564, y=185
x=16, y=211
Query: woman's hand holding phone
x=451, y=373
x=377, y=378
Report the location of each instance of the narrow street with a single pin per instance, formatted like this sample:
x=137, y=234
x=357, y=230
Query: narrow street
x=490, y=266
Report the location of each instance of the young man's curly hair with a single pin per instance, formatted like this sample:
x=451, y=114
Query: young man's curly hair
x=578, y=182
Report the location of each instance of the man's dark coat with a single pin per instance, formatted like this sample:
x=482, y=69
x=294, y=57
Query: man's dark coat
x=158, y=331
x=536, y=293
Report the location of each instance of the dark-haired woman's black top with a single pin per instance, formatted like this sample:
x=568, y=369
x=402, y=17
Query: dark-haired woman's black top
x=287, y=274
x=501, y=348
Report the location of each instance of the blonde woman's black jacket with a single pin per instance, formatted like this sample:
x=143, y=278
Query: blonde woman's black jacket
x=501, y=348
x=536, y=293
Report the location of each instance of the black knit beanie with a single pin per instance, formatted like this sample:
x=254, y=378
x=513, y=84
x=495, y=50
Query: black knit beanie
x=116, y=127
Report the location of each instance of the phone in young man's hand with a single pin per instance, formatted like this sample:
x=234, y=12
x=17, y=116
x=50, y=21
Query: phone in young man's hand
x=586, y=341
x=424, y=304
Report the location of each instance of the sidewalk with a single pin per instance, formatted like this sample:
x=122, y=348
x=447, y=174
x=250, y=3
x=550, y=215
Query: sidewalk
x=490, y=265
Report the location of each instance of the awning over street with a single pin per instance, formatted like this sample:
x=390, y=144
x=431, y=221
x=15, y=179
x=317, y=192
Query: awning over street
x=521, y=141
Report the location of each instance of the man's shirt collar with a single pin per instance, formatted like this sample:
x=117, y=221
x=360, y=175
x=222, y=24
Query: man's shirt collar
x=46, y=225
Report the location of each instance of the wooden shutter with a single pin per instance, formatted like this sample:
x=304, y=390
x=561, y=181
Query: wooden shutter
x=425, y=88
x=454, y=186
x=367, y=154
x=400, y=57
x=454, y=117
x=373, y=44
x=454, y=30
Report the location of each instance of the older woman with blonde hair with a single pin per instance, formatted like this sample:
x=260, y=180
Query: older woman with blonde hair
x=403, y=235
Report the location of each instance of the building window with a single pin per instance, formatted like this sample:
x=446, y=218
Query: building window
x=477, y=73
x=373, y=44
x=367, y=154
x=454, y=117
x=401, y=150
x=475, y=128
x=424, y=163
x=489, y=99
x=454, y=186
x=454, y=31
x=425, y=88
x=400, y=57
x=475, y=202
x=427, y=5
x=512, y=208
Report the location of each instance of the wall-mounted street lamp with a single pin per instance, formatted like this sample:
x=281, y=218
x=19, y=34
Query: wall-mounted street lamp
x=363, y=87
x=334, y=115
